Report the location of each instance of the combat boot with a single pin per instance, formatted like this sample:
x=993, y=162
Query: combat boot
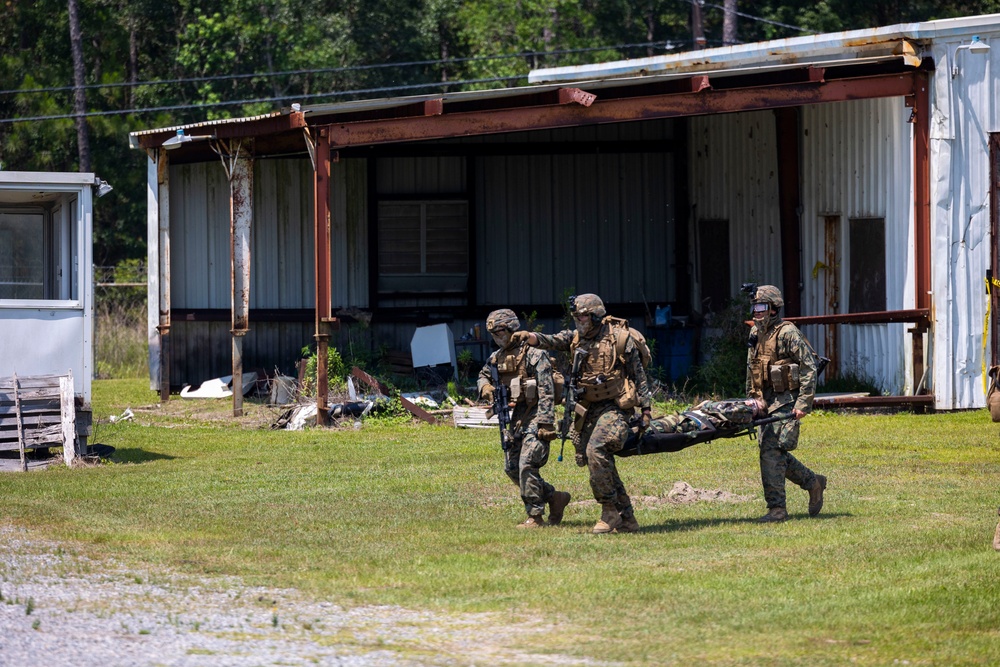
x=557, y=505
x=774, y=515
x=629, y=524
x=610, y=519
x=534, y=521
x=816, y=495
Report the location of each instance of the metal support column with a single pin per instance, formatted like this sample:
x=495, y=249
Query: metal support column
x=240, y=171
x=163, y=227
x=321, y=207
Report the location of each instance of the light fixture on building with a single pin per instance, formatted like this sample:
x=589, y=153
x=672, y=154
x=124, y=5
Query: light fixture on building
x=102, y=186
x=975, y=46
x=181, y=138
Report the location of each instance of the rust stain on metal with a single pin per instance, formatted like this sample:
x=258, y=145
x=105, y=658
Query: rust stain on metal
x=576, y=96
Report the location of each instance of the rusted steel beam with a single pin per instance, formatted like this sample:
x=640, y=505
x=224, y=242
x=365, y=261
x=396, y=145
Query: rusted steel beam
x=163, y=267
x=922, y=189
x=413, y=408
x=621, y=110
x=916, y=315
x=233, y=130
x=874, y=401
x=240, y=224
x=576, y=96
x=699, y=83
x=321, y=247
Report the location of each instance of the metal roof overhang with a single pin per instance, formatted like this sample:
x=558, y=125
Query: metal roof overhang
x=421, y=118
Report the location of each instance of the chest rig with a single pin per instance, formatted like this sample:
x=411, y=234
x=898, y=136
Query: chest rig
x=767, y=371
x=602, y=374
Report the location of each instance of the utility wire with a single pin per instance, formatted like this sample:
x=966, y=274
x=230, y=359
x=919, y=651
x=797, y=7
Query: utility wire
x=123, y=112
x=702, y=3
x=324, y=70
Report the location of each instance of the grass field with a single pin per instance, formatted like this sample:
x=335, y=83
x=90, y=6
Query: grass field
x=898, y=569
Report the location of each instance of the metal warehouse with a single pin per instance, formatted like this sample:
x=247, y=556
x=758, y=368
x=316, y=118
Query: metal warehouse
x=857, y=171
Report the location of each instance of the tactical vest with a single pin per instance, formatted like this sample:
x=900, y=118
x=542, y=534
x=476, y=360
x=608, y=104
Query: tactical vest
x=603, y=374
x=514, y=375
x=767, y=372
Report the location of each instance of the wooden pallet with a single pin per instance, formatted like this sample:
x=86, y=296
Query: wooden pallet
x=38, y=412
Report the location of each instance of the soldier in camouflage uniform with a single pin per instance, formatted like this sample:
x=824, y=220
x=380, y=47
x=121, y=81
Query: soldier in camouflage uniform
x=720, y=414
x=612, y=384
x=781, y=370
x=527, y=374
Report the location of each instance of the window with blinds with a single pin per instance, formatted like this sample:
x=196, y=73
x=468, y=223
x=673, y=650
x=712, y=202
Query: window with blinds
x=423, y=246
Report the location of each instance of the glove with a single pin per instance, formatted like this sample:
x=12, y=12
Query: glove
x=547, y=432
x=581, y=460
x=646, y=419
x=487, y=392
x=520, y=337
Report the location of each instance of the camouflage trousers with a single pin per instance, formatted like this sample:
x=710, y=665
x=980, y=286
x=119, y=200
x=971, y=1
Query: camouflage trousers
x=604, y=431
x=523, y=463
x=776, y=461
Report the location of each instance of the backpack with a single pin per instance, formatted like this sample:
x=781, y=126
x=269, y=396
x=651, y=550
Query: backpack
x=622, y=333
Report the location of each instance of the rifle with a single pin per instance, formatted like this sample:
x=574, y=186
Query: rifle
x=569, y=415
x=501, y=407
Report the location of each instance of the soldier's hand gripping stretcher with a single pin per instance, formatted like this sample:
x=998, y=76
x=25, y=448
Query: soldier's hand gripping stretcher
x=706, y=421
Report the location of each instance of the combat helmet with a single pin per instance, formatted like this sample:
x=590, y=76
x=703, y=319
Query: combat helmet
x=769, y=294
x=587, y=304
x=504, y=318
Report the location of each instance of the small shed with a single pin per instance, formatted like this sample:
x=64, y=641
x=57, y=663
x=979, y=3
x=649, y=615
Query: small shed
x=46, y=303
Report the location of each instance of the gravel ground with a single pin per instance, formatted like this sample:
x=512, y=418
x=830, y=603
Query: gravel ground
x=59, y=609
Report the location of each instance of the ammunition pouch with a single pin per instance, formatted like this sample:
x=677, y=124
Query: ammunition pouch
x=524, y=391
x=784, y=376
x=558, y=387
x=595, y=392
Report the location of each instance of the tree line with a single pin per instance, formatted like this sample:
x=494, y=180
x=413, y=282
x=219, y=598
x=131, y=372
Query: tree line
x=76, y=76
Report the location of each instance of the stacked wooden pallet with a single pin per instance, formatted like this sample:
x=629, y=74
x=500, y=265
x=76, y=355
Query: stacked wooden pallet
x=38, y=412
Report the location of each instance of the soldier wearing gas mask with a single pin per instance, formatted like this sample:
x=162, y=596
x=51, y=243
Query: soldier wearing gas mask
x=527, y=374
x=781, y=370
x=610, y=387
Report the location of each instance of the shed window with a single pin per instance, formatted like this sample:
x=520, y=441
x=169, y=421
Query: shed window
x=36, y=258
x=867, y=267
x=423, y=246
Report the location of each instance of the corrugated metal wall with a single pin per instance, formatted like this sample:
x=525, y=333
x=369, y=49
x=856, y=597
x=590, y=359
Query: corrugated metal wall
x=545, y=226
x=734, y=177
x=282, y=269
x=857, y=163
x=966, y=111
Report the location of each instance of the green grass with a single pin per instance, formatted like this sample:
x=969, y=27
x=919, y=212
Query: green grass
x=898, y=567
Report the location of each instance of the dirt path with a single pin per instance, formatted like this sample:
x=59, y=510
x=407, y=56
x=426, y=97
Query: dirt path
x=63, y=610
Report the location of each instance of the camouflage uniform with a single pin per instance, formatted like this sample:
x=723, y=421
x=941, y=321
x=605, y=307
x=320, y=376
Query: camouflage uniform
x=526, y=456
x=778, y=439
x=720, y=414
x=605, y=427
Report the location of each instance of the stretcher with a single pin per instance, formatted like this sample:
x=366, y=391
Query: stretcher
x=654, y=442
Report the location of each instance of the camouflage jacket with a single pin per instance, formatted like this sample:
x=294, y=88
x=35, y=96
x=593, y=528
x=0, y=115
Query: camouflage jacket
x=790, y=345
x=731, y=413
x=535, y=365
x=563, y=341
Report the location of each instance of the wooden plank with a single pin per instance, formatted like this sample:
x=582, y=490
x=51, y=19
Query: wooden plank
x=68, y=419
x=20, y=429
x=33, y=395
x=473, y=417
x=31, y=382
x=413, y=408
